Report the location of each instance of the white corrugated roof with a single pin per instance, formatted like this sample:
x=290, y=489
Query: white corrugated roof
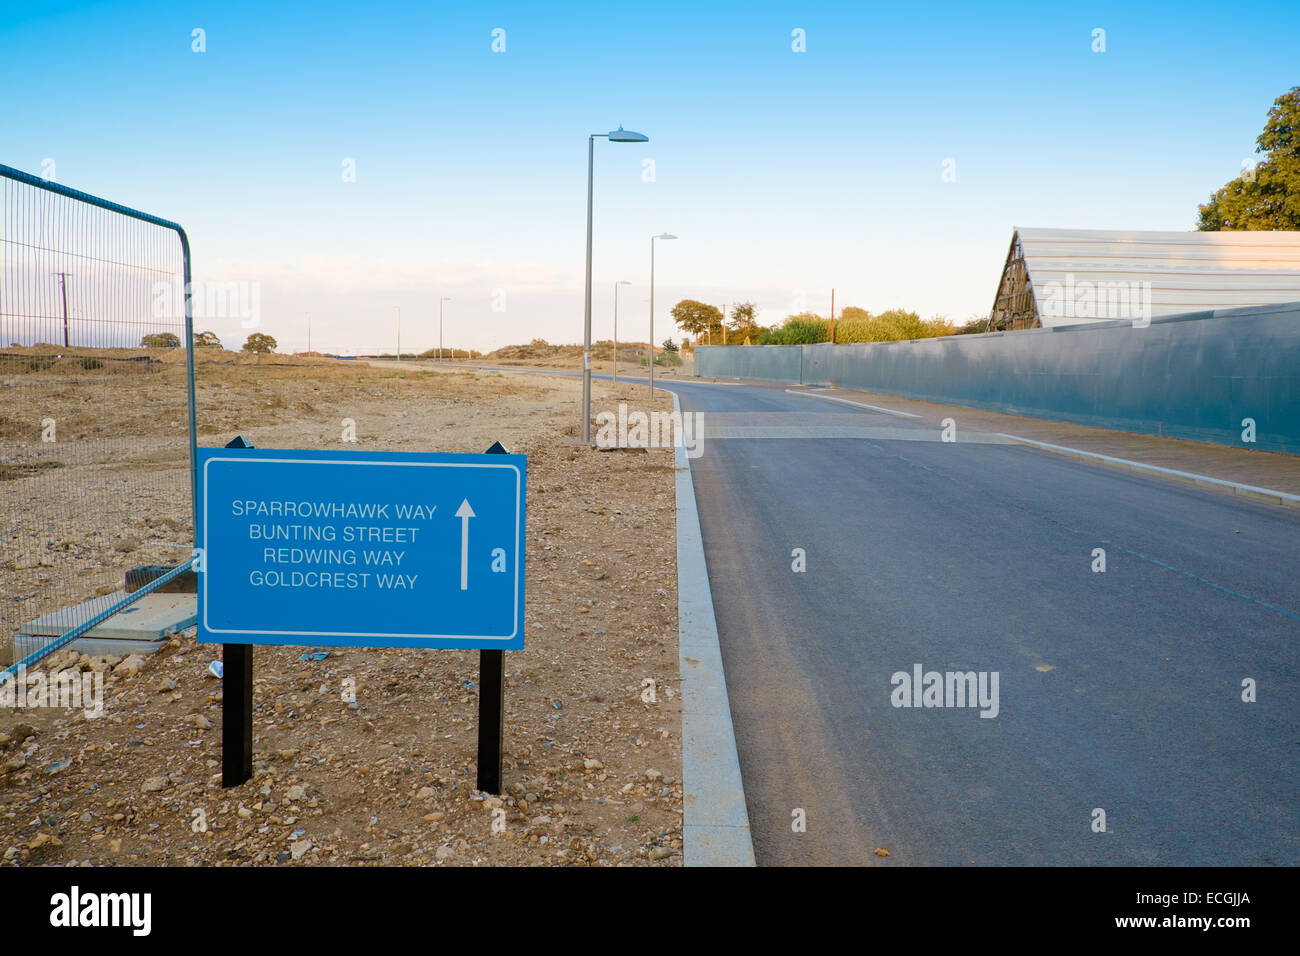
x=1074, y=272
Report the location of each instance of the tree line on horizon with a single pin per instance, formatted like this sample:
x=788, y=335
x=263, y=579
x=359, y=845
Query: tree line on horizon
x=705, y=322
x=1265, y=196
x=257, y=342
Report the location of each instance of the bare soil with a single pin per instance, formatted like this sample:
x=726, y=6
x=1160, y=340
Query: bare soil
x=593, y=767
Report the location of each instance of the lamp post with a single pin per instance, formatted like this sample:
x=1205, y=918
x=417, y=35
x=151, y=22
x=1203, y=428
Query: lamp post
x=308, y=333
x=399, y=333
x=619, y=135
x=616, y=285
x=652, y=308
x=445, y=298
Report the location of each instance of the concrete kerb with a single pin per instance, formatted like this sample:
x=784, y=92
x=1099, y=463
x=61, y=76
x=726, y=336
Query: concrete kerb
x=715, y=824
x=1203, y=481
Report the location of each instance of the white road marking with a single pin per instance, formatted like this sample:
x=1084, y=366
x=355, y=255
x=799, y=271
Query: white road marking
x=1252, y=491
x=845, y=401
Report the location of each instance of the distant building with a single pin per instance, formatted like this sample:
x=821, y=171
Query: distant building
x=1073, y=276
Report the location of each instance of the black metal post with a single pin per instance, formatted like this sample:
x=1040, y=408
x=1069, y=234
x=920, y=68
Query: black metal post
x=491, y=703
x=236, y=714
x=491, y=717
x=236, y=702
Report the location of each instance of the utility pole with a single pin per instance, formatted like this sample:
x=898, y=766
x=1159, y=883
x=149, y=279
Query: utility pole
x=63, y=284
x=308, y=333
x=832, y=316
x=399, y=333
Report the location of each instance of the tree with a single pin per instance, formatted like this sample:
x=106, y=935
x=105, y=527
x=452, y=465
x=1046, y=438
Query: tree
x=695, y=317
x=259, y=343
x=1268, y=196
x=206, y=340
x=160, y=340
x=744, y=320
x=670, y=345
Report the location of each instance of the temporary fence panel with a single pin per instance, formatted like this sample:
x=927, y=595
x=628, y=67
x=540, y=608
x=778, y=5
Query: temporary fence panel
x=97, y=428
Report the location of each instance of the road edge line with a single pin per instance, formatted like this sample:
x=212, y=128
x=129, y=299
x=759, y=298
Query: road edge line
x=715, y=821
x=845, y=401
x=1204, y=481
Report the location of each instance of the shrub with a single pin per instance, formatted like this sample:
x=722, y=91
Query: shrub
x=802, y=329
x=895, y=325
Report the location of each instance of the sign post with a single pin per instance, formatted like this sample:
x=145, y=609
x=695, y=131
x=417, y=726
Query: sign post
x=236, y=714
x=361, y=549
x=236, y=701
x=491, y=704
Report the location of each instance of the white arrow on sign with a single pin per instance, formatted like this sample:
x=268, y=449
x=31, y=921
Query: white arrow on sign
x=464, y=513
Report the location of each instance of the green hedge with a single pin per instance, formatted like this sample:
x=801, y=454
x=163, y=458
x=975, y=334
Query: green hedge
x=892, y=326
x=857, y=325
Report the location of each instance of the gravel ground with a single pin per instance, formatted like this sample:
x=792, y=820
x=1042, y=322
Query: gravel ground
x=593, y=751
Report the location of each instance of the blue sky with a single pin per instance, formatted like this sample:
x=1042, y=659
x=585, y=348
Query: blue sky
x=781, y=172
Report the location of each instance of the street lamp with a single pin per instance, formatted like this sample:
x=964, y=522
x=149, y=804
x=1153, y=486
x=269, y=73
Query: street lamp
x=652, y=308
x=616, y=285
x=619, y=135
x=445, y=298
x=399, y=333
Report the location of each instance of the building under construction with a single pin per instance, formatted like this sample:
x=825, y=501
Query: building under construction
x=1055, y=277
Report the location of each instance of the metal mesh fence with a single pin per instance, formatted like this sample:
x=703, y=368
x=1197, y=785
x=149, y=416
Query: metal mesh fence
x=94, y=403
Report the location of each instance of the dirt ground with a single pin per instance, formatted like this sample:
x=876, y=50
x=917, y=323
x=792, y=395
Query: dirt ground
x=593, y=765
x=631, y=358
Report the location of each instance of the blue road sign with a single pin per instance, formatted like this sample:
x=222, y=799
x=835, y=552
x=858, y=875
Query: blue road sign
x=361, y=549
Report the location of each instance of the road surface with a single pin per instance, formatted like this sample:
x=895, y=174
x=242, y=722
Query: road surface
x=1118, y=690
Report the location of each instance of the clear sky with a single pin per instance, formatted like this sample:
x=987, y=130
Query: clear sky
x=784, y=173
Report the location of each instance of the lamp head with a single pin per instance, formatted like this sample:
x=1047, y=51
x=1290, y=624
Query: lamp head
x=622, y=135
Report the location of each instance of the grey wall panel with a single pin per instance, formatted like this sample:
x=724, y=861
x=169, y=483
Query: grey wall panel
x=1195, y=376
x=758, y=363
x=817, y=363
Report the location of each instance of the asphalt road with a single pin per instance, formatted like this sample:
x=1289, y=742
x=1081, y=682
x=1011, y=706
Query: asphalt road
x=1119, y=690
